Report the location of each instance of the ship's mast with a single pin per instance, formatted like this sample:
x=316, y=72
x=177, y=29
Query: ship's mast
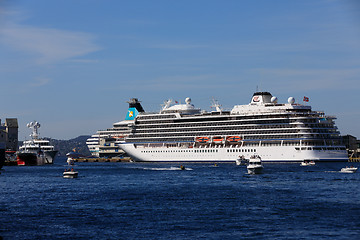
x=35, y=126
x=216, y=105
x=166, y=104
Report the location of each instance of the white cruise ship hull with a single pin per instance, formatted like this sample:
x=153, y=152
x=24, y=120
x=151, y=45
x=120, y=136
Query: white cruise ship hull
x=230, y=154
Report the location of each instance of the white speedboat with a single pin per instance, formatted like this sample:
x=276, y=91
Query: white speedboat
x=349, y=169
x=307, y=163
x=70, y=173
x=70, y=161
x=255, y=165
x=241, y=160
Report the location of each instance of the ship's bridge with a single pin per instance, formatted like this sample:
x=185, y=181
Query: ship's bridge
x=262, y=98
x=264, y=102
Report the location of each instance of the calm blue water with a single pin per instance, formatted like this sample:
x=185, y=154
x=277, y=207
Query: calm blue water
x=158, y=201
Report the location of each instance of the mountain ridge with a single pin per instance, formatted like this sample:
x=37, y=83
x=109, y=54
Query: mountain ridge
x=77, y=144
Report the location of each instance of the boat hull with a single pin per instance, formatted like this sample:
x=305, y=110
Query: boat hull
x=229, y=154
x=29, y=159
x=2, y=157
x=34, y=159
x=50, y=156
x=70, y=174
x=255, y=170
x=348, y=170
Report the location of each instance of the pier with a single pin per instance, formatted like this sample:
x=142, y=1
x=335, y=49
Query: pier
x=354, y=159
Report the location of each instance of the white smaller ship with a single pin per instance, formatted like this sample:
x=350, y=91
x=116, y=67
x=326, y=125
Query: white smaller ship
x=36, y=151
x=70, y=161
x=241, y=160
x=70, y=173
x=255, y=165
x=349, y=169
x=307, y=163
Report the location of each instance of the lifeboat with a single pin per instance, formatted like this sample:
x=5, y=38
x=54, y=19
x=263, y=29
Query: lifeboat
x=202, y=139
x=217, y=139
x=233, y=139
x=119, y=137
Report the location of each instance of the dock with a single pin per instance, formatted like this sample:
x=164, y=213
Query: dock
x=10, y=163
x=354, y=159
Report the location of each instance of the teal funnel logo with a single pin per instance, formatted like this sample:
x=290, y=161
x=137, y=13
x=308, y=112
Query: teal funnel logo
x=131, y=114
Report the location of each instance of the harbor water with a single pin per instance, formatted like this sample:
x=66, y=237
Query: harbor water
x=160, y=201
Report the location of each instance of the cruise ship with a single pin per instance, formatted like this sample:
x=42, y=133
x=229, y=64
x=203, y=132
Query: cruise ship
x=105, y=142
x=278, y=132
x=93, y=144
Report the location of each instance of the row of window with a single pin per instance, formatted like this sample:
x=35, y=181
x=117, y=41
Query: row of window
x=231, y=120
x=198, y=151
x=179, y=132
x=220, y=127
x=320, y=148
x=234, y=150
x=205, y=117
x=162, y=116
x=189, y=137
x=241, y=150
x=183, y=151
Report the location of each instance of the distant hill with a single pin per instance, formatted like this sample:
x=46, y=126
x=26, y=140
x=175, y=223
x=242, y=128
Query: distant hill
x=65, y=146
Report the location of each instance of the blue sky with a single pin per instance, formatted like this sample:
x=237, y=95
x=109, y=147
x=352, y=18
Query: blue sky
x=72, y=65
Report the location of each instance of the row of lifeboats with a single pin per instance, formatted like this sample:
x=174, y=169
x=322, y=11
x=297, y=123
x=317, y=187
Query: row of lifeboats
x=218, y=139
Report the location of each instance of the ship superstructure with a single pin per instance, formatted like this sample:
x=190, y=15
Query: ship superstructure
x=93, y=144
x=277, y=132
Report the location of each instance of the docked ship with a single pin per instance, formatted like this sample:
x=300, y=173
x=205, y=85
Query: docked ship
x=93, y=144
x=36, y=151
x=2, y=154
x=288, y=132
x=105, y=142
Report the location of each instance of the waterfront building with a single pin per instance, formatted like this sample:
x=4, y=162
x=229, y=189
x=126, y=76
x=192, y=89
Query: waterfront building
x=352, y=146
x=12, y=139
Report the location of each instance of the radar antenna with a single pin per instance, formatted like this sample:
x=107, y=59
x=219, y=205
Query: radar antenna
x=35, y=126
x=215, y=103
x=166, y=104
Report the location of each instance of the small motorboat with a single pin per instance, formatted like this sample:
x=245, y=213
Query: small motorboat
x=349, y=169
x=255, y=165
x=241, y=160
x=70, y=173
x=70, y=161
x=307, y=163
